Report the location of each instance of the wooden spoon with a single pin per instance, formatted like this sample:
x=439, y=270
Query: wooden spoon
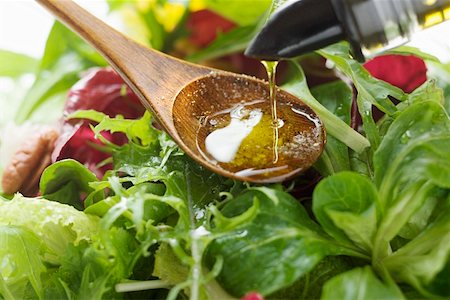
x=181, y=94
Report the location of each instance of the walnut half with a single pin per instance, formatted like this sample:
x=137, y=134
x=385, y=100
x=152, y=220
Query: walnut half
x=27, y=164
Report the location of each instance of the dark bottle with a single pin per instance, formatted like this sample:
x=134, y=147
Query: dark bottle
x=370, y=26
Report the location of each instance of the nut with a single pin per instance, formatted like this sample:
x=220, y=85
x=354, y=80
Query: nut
x=27, y=164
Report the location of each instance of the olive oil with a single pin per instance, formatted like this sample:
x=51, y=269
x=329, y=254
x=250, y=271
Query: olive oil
x=271, y=67
x=234, y=130
x=240, y=139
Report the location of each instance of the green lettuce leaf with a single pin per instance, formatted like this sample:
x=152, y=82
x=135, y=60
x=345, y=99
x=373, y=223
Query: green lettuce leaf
x=310, y=286
x=22, y=263
x=408, y=50
x=336, y=127
x=162, y=195
x=360, y=284
x=275, y=245
x=345, y=204
x=371, y=91
x=337, y=98
x=57, y=225
x=91, y=270
x=35, y=235
x=410, y=166
x=423, y=262
x=58, y=70
x=234, y=10
x=66, y=181
x=18, y=64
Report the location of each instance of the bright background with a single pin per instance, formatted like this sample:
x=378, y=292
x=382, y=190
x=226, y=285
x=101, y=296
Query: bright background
x=24, y=26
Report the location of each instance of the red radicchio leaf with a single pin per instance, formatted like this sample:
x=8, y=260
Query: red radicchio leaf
x=102, y=90
x=204, y=26
x=105, y=91
x=406, y=72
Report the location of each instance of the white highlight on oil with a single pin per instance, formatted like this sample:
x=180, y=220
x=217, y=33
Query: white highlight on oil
x=223, y=144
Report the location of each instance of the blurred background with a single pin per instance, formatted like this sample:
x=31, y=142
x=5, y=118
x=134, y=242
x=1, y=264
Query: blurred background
x=24, y=27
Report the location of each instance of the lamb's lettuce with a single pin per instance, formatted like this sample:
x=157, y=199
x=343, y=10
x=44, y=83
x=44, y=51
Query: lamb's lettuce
x=298, y=86
x=271, y=249
x=371, y=91
x=337, y=97
x=346, y=206
x=359, y=284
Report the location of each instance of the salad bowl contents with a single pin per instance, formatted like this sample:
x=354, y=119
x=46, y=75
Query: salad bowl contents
x=121, y=212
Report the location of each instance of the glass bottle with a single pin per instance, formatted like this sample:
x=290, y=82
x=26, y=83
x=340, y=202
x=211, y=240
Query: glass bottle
x=377, y=25
x=370, y=26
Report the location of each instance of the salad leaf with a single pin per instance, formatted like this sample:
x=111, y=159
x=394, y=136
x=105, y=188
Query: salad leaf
x=66, y=181
x=90, y=270
x=346, y=206
x=147, y=161
x=35, y=235
x=234, y=11
x=408, y=50
x=441, y=74
x=56, y=225
x=371, y=91
x=336, y=97
x=439, y=284
x=298, y=86
x=358, y=284
x=412, y=163
x=272, y=249
x=58, y=70
x=233, y=41
x=420, y=123
x=419, y=261
x=159, y=225
x=18, y=64
x=310, y=286
x=22, y=254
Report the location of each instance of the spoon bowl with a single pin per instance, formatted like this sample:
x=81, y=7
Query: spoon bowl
x=181, y=94
x=210, y=97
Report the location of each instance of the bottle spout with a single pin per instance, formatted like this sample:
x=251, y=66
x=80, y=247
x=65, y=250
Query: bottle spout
x=296, y=28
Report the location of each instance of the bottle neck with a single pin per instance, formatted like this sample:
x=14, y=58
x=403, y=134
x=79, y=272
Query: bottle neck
x=373, y=26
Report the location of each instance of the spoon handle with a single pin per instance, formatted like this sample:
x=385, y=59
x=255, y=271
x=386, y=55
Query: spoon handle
x=154, y=76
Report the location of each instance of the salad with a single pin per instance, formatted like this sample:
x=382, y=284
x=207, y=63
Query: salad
x=97, y=202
